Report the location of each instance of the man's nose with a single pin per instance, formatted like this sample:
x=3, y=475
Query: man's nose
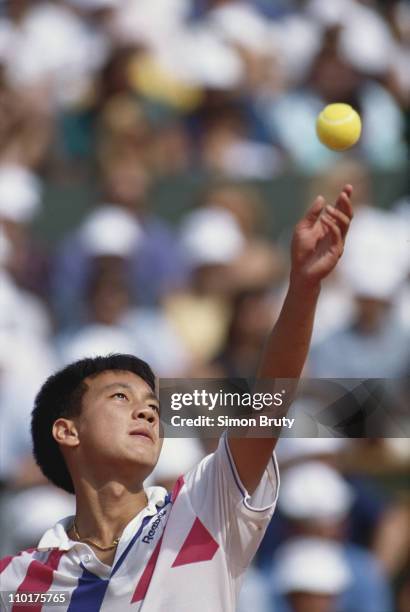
x=144, y=412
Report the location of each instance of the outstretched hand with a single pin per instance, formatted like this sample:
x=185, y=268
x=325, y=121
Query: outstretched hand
x=318, y=239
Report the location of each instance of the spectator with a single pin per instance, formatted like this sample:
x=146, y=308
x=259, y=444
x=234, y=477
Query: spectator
x=25, y=354
x=113, y=324
x=375, y=344
x=334, y=76
x=377, y=520
x=155, y=264
x=310, y=574
x=253, y=314
x=20, y=198
x=254, y=593
x=211, y=240
x=316, y=502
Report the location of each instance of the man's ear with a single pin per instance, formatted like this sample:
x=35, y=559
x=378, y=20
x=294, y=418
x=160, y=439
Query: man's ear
x=65, y=432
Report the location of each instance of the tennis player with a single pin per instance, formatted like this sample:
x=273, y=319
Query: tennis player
x=95, y=429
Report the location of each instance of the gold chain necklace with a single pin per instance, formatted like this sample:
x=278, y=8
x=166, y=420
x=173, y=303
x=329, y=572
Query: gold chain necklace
x=110, y=547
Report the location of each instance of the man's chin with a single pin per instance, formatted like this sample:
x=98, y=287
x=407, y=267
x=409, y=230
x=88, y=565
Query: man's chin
x=144, y=458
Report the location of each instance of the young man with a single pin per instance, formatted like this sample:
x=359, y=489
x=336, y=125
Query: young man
x=96, y=433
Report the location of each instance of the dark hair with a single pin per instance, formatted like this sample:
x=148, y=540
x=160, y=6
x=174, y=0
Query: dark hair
x=61, y=396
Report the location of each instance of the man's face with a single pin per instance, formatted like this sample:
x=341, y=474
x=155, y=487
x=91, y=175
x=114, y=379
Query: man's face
x=127, y=185
x=371, y=313
x=307, y=602
x=118, y=429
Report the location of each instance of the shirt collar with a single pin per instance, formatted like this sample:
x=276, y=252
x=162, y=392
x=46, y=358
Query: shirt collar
x=56, y=537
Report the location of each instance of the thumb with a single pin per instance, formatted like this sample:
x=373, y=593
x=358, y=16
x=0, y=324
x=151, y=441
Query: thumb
x=314, y=211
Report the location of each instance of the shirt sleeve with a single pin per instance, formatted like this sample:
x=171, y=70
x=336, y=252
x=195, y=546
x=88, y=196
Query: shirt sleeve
x=219, y=498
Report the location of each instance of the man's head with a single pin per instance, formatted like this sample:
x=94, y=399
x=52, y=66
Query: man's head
x=311, y=573
x=96, y=418
x=316, y=500
x=126, y=184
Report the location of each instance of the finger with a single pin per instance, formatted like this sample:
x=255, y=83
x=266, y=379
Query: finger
x=341, y=219
x=344, y=204
x=334, y=230
x=348, y=190
x=314, y=211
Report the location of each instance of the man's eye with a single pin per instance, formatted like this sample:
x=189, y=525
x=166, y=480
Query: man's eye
x=155, y=407
x=120, y=395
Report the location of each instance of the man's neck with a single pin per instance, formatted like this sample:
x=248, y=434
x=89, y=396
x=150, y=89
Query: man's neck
x=102, y=514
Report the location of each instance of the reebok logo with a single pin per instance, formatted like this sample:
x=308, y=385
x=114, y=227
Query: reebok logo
x=147, y=539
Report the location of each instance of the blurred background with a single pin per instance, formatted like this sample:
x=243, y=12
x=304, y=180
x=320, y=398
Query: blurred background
x=154, y=157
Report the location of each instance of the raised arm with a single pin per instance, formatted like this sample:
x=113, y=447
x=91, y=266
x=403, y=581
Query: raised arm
x=317, y=245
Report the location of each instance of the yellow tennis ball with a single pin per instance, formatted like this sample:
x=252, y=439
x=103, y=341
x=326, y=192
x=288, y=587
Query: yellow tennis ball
x=338, y=126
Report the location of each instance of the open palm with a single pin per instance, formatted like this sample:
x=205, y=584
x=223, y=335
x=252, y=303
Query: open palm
x=319, y=237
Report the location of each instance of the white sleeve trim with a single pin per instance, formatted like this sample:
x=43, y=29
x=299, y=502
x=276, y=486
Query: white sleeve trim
x=269, y=484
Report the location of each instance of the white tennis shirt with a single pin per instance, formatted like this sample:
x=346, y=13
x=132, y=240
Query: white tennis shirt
x=187, y=550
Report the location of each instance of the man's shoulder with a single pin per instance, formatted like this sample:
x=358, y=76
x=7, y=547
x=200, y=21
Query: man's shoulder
x=28, y=564
x=22, y=558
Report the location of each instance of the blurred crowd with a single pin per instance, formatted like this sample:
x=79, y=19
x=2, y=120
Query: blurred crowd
x=119, y=94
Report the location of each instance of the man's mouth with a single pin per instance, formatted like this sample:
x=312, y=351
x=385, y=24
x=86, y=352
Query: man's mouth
x=142, y=433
